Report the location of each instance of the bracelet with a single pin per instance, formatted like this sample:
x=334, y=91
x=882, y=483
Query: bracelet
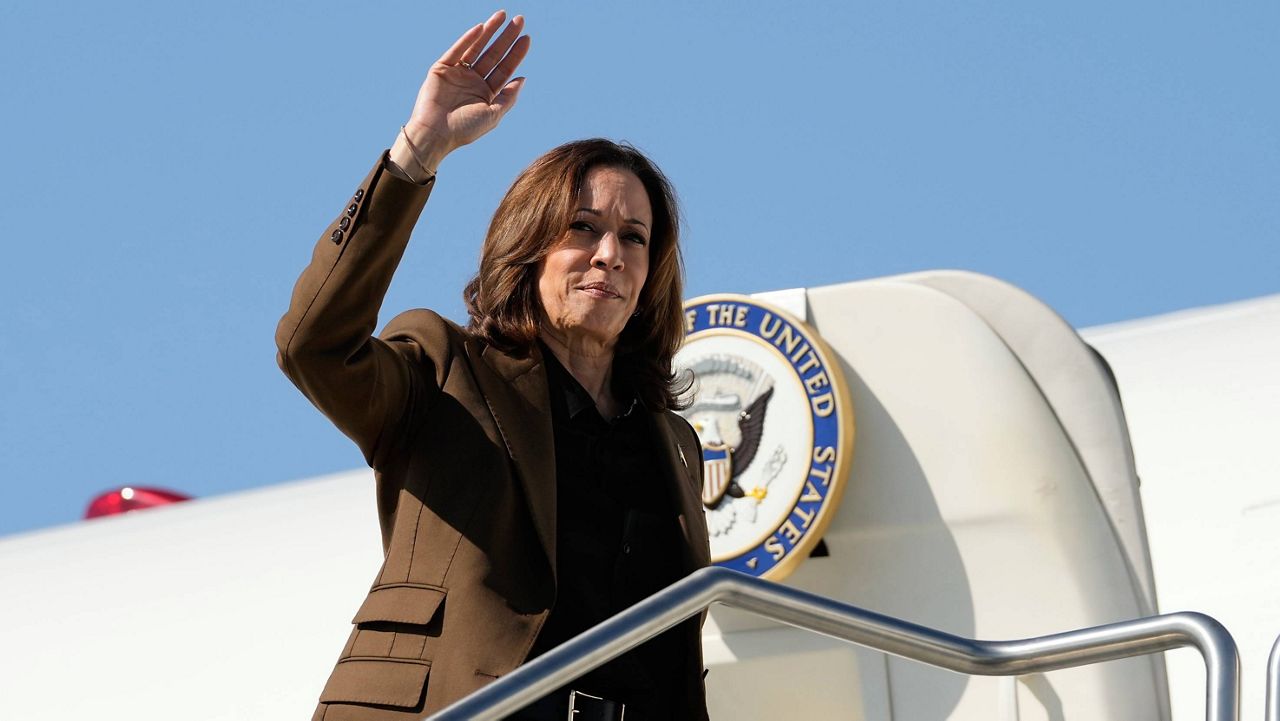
x=417, y=157
x=403, y=174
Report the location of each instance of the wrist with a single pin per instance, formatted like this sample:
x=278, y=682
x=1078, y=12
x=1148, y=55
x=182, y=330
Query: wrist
x=424, y=146
x=402, y=157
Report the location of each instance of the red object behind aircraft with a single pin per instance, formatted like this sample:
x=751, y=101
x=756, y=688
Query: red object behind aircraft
x=131, y=498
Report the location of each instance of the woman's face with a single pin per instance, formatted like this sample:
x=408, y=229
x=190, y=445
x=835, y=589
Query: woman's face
x=590, y=281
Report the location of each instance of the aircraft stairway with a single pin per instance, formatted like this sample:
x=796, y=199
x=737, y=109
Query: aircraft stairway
x=992, y=493
x=1070, y=649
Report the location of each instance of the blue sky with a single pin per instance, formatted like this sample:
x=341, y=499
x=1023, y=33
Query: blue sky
x=167, y=167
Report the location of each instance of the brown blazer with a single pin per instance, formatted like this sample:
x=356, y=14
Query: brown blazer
x=459, y=436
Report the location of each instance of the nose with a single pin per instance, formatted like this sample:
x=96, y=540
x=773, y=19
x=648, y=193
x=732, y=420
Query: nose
x=608, y=253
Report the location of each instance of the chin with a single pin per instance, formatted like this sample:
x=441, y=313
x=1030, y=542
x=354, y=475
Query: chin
x=601, y=331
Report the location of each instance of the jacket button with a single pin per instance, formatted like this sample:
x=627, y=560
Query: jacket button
x=344, y=223
x=351, y=210
x=336, y=236
x=359, y=193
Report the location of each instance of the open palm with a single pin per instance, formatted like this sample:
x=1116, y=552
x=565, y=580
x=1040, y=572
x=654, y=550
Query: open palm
x=469, y=89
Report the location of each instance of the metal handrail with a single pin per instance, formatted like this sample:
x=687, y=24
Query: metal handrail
x=792, y=606
x=1273, y=682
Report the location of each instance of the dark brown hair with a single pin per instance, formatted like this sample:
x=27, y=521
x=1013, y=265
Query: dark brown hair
x=502, y=299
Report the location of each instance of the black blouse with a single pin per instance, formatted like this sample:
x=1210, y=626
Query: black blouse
x=617, y=542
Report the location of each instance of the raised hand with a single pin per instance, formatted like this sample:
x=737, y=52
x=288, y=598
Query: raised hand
x=466, y=93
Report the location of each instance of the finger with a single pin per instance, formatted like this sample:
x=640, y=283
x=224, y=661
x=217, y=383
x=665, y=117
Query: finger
x=498, y=78
x=499, y=47
x=490, y=27
x=454, y=54
x=506, y=99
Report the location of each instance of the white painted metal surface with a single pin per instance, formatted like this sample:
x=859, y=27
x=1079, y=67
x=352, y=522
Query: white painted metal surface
x=131, y=617
x=226, y=608
x=969, y=511
x=1202, y=392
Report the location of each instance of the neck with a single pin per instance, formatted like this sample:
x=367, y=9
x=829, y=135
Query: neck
x=591, y=364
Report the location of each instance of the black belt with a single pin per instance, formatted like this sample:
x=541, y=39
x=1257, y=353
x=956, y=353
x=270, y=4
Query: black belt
x=572, y=706
x=585, y=707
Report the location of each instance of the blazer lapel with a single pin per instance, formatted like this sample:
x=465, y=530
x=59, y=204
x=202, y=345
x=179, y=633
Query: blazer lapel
x=516, y=391
x=685, y=491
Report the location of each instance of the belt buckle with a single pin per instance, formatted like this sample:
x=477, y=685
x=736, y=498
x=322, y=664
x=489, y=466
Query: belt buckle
x=585, y=707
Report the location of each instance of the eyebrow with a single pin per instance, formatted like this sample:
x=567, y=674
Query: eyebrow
x=633, y=221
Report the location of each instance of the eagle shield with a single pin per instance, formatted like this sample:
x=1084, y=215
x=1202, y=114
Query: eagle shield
x=717, y=470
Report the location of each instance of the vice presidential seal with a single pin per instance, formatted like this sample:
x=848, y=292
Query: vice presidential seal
x=772, y=410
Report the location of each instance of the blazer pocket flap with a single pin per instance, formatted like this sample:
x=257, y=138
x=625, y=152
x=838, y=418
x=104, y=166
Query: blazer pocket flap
x=391, y=682
x=401, y=604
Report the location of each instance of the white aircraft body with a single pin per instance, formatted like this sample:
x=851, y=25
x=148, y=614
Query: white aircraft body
x=993, y=493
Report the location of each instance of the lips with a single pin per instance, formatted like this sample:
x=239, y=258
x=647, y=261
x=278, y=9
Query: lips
x=600, y=289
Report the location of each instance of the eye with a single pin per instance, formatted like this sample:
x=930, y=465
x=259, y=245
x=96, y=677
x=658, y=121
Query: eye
x=637, y=239
x=581, y=225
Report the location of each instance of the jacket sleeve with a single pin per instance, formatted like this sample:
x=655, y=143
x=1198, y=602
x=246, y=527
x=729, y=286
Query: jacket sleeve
x=325, y=341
